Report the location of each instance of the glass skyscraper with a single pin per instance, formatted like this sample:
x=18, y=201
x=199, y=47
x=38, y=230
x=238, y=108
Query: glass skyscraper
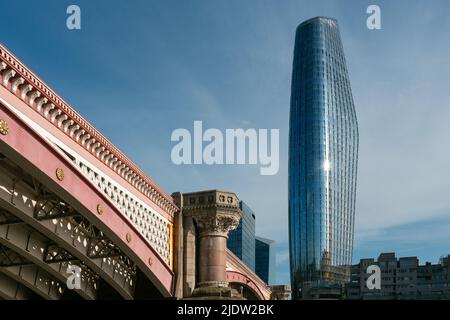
x=241, y=241
x=323, y=157
x=265, y=260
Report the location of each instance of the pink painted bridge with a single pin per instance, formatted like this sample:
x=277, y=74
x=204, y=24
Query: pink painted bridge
x=69, y=197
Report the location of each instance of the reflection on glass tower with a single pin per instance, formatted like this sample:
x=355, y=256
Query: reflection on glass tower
x=323, y=156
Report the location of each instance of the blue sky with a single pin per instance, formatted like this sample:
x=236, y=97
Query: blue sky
x=140, y=69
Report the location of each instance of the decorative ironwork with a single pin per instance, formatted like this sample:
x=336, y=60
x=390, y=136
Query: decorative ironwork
x=77, y=230
x=150, y=224
x=100, y=247
x=55, y=253
x=8, y=218
x=9, y=258
x=51, y=207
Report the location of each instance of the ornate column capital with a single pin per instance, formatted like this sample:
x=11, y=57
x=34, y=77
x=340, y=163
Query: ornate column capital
x=215, y=212
x=217, y=224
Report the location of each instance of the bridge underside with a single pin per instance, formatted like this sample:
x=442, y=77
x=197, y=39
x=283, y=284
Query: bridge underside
x=42, y=234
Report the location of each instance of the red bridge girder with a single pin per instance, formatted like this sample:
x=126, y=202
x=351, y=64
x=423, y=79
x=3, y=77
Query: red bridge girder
x=40, y=159
x=238, y=272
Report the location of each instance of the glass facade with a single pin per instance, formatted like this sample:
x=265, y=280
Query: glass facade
x=241, y=241
x=265, y=260
x=323, y=156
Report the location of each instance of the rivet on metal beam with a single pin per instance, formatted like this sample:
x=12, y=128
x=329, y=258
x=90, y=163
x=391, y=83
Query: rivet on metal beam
x=3, y=127
x=150, y=261
x=100, y=209
x=128, y=237
x=60, y=174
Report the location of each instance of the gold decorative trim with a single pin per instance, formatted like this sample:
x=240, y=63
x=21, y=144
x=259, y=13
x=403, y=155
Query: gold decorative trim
x=3, y=127
x=60, y=174
x=100, y=209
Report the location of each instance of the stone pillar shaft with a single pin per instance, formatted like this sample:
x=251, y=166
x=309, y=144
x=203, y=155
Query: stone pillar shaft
x=212, y=261
x=214, y=213
x=189, y=262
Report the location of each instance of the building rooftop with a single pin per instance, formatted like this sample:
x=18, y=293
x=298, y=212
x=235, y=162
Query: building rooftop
x=387, y=255
x=268, y=241
x=317, y=18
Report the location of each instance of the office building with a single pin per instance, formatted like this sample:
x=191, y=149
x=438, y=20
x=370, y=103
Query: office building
x=242, y=240
x=401, y=279
x=323, y=156
x=265, y=259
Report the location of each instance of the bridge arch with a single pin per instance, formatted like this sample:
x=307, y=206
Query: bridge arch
x=239, y=274
x=251, y=290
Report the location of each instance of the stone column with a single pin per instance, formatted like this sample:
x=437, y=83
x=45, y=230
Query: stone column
x=213, y=234
x=178, y=248
x=214, y=213
x=189, y=256
x=186, y=252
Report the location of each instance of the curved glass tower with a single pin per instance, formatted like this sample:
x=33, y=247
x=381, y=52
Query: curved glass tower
x=323, y=156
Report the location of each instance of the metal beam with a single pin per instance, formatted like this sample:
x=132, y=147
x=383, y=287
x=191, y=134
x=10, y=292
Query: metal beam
x=37, y=249
x=37, y=280
x=8, y=258
x=55, y=254
x=12, y=290
x=100, y=247
x=7, y=218
x=49, y=206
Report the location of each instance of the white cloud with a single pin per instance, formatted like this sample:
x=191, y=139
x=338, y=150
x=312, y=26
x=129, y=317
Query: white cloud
x=282, y=257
